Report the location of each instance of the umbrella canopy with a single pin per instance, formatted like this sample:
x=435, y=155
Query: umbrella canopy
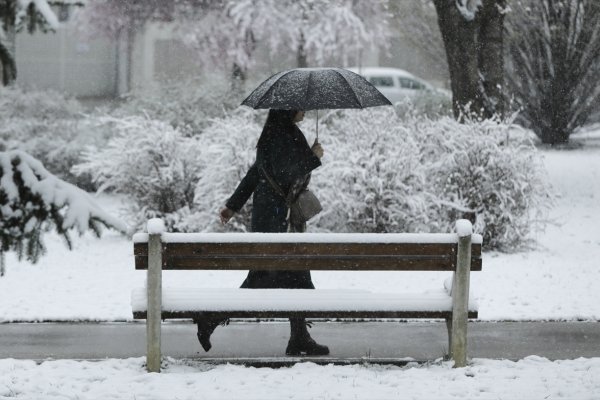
x=315, y=89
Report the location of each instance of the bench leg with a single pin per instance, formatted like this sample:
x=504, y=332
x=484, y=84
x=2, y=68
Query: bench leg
x=153, y=319
x=449, y=328
x=460, y=301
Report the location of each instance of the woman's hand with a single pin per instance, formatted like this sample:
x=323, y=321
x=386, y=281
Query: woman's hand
x=226, y=215
x=317, y=149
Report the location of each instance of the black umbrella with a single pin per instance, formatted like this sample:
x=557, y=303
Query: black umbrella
x=314, y=89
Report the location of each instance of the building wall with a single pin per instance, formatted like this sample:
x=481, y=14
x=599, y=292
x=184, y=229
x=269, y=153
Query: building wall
x=158, y=57
x=63, y=61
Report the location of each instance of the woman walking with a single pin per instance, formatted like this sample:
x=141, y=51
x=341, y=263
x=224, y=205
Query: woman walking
x=284, y=159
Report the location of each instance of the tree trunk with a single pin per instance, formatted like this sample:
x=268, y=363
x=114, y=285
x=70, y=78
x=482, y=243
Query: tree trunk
x=238, y=78
x=7, y=54
x=474, y=50
x=553, y=136
x=491, y=56
x=554, y=124
x=461, y=52
x=124, y=50
x=301, y=60
x=240, y=70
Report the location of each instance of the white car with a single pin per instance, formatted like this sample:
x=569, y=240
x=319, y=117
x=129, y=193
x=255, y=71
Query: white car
x=396, y=84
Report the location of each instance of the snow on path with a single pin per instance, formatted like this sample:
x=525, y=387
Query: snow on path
x=531, y=378
x=557, y=280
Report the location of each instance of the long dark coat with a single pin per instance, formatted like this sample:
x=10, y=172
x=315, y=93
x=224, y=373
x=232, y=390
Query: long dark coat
x=287, y=157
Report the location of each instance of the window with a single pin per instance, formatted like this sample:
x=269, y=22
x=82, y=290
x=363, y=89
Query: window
x=407, y=83
x=382, y=81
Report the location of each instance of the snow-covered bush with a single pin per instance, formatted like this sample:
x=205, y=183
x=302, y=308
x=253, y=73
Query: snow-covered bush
x=36, y=104
x=150, y=161
x=427, y=104
x=228, y=151
x=483, y=171
x=187, y=105
x=382, y=173
x=372, y=179
x=32, y=201
x=49, y=127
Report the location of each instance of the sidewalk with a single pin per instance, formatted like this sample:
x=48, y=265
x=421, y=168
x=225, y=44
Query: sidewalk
x=420, y=341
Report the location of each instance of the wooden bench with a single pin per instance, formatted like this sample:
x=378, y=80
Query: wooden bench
x=158, y=250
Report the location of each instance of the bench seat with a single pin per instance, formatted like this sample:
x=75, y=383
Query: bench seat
x=283, y=303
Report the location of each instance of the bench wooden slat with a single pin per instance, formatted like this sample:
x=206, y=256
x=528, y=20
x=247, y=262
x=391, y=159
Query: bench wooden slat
x=187, y=249
x=309, y=314
x=315, y=263
x=313, y=256
x=274, y=248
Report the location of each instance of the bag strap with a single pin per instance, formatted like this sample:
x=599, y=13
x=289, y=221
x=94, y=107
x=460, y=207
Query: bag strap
x=274, y=184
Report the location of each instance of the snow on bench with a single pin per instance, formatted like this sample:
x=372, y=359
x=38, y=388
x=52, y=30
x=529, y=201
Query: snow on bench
x=259, y=237
x=274, y=303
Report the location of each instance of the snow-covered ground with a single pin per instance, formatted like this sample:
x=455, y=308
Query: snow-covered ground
x=557, y=280
x=530, y=378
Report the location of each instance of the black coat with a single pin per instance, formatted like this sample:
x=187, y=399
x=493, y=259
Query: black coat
x=287, y=157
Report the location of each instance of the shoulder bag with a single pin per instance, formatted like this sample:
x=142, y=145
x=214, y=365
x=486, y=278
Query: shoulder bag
x=303, y=208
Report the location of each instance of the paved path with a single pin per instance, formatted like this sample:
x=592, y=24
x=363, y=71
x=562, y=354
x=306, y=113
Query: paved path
x=421, y=341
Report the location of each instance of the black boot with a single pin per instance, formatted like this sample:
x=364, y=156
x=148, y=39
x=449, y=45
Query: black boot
x=300, y=341
x=206, y=326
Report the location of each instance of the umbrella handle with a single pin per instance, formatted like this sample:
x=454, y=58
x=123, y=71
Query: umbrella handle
x=317, y=139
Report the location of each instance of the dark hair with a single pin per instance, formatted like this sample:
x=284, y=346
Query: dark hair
x=277, y=120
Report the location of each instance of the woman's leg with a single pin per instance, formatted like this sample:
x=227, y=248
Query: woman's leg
x=301, y=343
x=207, y=324
x=264, y=219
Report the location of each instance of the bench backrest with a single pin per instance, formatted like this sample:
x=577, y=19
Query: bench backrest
x=307, y=251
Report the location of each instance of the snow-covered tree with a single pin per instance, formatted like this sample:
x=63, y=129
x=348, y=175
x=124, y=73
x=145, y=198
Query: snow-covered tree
x=473, y=36
x=17, y=15
x=311, y=31
x=554, y=64
x=223, y=36
x=339, y=31
x=226, y=33
x=124, y=19
x=110, y=17
x=301, y=32
x=320, y=32
x=33, y=201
